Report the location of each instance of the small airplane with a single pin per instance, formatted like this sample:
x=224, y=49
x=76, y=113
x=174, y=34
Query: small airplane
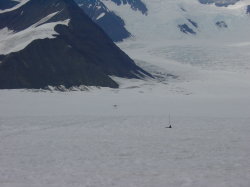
x=169, y=123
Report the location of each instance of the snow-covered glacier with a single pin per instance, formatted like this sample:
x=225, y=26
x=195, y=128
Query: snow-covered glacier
x=165, y=17
x=117, y=137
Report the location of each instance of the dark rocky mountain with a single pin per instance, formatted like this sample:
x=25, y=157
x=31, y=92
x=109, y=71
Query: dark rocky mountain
x=112, y=24
x=134, y=4
x=248, y=9
x=79, y=54
x=4, y=4
x=219, y=2
x=109, y=21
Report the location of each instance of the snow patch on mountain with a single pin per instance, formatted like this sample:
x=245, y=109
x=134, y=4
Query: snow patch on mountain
x=100, y=16
x=21, y=3
x=11, y=41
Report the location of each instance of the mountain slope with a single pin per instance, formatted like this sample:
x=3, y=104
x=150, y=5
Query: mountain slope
x=186, y=19
x=4, y=4
x=74, y=52
x=111, y=23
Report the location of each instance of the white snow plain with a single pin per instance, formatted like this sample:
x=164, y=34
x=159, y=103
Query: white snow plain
x=117, y=137
x=107, y=137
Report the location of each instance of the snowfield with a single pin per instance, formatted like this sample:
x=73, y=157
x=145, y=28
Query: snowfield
x=164, y=16
x=117, y=137
x=108, y=137
x=124, y=151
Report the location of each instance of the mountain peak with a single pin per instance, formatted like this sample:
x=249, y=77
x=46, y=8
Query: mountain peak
x=60, y=46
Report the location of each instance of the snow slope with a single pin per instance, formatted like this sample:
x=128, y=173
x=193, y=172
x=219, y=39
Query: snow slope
x=164, y=16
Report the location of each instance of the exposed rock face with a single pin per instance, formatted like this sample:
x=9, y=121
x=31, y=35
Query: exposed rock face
x=4, y=4
x=219, y=2
x=186, y=29
x=248, y=9
x=111, y=23
x=221, y=24
x=135, y=4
